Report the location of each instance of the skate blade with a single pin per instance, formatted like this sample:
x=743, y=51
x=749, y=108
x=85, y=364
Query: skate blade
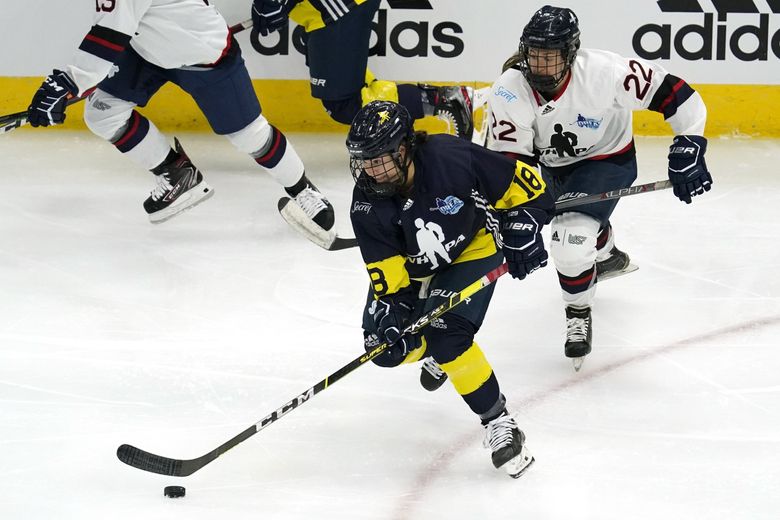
x=188, y=200
x=630, y=268
x=520, y=464
x=577, y=362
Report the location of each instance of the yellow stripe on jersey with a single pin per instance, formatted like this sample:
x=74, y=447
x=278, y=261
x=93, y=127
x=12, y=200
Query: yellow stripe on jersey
x=526, y=185
x=469, y=371
x=482, y=246
x=389, y=275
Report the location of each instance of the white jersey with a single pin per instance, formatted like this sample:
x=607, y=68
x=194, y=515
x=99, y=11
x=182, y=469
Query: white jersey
x=166, y=33
x=591, y=117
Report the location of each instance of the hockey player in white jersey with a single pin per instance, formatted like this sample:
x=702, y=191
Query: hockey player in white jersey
x=570, y=109
x=133, y=49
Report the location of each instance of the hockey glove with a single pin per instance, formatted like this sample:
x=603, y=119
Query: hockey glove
x=48, y=104
x=392, y=314
x=523, y=245
x=271, y=15
x=687, y=169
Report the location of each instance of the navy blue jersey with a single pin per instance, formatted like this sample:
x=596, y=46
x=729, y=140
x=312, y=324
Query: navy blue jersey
x=447, y=218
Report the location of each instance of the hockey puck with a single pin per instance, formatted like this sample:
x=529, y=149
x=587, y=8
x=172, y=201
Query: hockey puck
x=174, y=491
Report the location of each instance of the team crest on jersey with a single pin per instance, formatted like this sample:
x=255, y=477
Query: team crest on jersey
x=506, y=94
x=588, y=122
x=449, y=206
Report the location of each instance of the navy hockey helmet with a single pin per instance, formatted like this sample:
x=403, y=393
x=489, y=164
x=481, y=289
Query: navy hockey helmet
x=550, y=28
x=377, y=133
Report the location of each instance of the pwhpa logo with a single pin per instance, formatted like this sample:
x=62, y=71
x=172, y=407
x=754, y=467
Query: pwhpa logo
x=407, y=38
x=742, y=30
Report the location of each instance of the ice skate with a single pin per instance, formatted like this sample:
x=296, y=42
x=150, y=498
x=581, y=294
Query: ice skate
x=431, y=375
x=617, y=264
x=507, y=443
x=454, y=106
x=179, y=187
x=313, y=203
x=309, y=212
x=578, y=335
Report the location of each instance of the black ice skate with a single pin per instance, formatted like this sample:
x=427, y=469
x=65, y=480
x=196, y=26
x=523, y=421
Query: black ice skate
x=507, y=442
x=617, y=264
x=431, y=375
x=309, y=212
x=313, y=203
x=578, y=335
x=452, y=105
x=180, y=186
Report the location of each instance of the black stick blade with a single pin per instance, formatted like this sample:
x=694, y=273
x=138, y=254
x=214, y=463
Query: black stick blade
x=146, y=461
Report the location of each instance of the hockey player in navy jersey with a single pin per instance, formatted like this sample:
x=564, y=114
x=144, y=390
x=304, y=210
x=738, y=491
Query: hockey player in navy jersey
x=337, y=43
x=570, y=109
x=426, y=211
x=133, y=49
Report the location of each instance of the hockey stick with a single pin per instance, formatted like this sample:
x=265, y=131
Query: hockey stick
x=614, y=194
x=298, y=220
x=11, y=122
x=181, y=468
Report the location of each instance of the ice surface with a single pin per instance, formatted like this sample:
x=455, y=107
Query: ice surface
x=176, y=337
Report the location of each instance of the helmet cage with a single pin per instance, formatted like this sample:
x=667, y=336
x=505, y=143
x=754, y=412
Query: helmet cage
x=396, y=171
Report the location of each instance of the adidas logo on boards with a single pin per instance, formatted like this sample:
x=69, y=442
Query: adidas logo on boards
x=741, y=36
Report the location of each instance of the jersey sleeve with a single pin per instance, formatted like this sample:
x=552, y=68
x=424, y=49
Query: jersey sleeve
x=511, y=118
x=644, y=85
x=380, y=246
x=508, y=183
x=114, y=25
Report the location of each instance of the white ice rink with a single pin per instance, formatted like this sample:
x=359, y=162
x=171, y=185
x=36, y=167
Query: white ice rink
x=176, y=337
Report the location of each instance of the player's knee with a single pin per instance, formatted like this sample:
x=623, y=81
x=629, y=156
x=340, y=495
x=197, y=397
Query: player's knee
x=573, y=242
x=106, y=116
x=342, y=110
x=448, y=337
x=253, y=137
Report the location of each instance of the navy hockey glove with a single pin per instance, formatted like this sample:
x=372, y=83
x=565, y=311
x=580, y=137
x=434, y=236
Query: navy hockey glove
x=271, y=15
x=687, y=169
x=523, y=245
x=48, y=104
x=392, y=314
